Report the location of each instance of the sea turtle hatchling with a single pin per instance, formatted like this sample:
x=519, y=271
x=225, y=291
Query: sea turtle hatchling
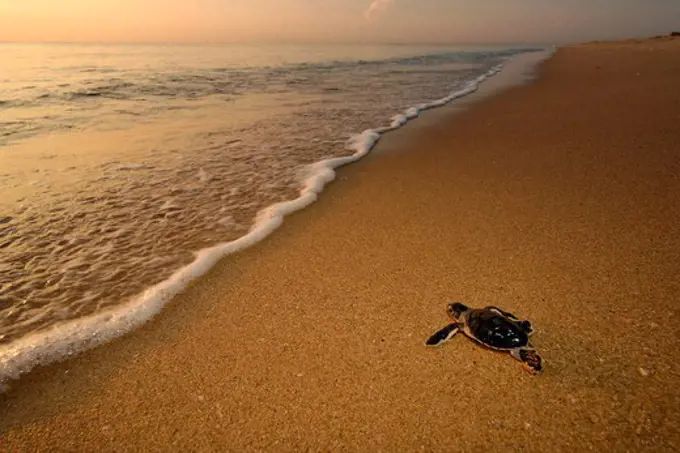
x=494, y=328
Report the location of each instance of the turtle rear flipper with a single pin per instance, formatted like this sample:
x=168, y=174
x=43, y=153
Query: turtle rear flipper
x=528, y=328
x=530, y=358
x=504, y=313
x=524, y=324
x=443, y=335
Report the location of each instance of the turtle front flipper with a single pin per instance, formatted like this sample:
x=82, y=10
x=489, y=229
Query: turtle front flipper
x=530, y=358
x=443, y=335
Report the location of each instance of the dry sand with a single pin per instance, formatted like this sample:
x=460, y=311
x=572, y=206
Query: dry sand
x=559, y=201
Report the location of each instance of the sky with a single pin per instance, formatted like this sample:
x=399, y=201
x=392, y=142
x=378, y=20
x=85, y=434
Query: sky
x=345, y=21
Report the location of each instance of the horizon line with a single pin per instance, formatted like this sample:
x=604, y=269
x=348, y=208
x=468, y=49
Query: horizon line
x=298, y=42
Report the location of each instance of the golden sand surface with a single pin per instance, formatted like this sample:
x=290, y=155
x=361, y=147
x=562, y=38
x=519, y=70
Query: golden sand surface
x=558, y=200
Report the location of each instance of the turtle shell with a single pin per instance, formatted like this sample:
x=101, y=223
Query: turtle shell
x=494, y=330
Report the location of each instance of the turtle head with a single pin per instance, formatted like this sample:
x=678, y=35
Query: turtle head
x=456, y=310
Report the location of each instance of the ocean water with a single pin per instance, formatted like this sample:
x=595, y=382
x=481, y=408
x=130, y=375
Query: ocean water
x=126, y=171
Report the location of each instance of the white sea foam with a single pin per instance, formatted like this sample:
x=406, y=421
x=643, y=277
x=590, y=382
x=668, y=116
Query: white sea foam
x=413, y=112
x=77, y=335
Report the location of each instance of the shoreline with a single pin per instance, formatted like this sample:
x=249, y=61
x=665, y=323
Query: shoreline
x=80, y=335
x=553, y=200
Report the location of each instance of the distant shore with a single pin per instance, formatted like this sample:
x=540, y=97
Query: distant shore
x=557, y=200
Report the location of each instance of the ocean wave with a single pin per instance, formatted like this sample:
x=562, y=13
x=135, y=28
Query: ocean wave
x=191, y=85
x=70, y=337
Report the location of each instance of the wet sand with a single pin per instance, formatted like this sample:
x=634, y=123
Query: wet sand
x=556, y=200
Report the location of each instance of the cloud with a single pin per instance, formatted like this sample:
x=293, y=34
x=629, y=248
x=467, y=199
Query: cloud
x=376, y=7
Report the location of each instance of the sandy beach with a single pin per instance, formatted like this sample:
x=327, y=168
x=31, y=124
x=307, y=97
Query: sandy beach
x=556, y=200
